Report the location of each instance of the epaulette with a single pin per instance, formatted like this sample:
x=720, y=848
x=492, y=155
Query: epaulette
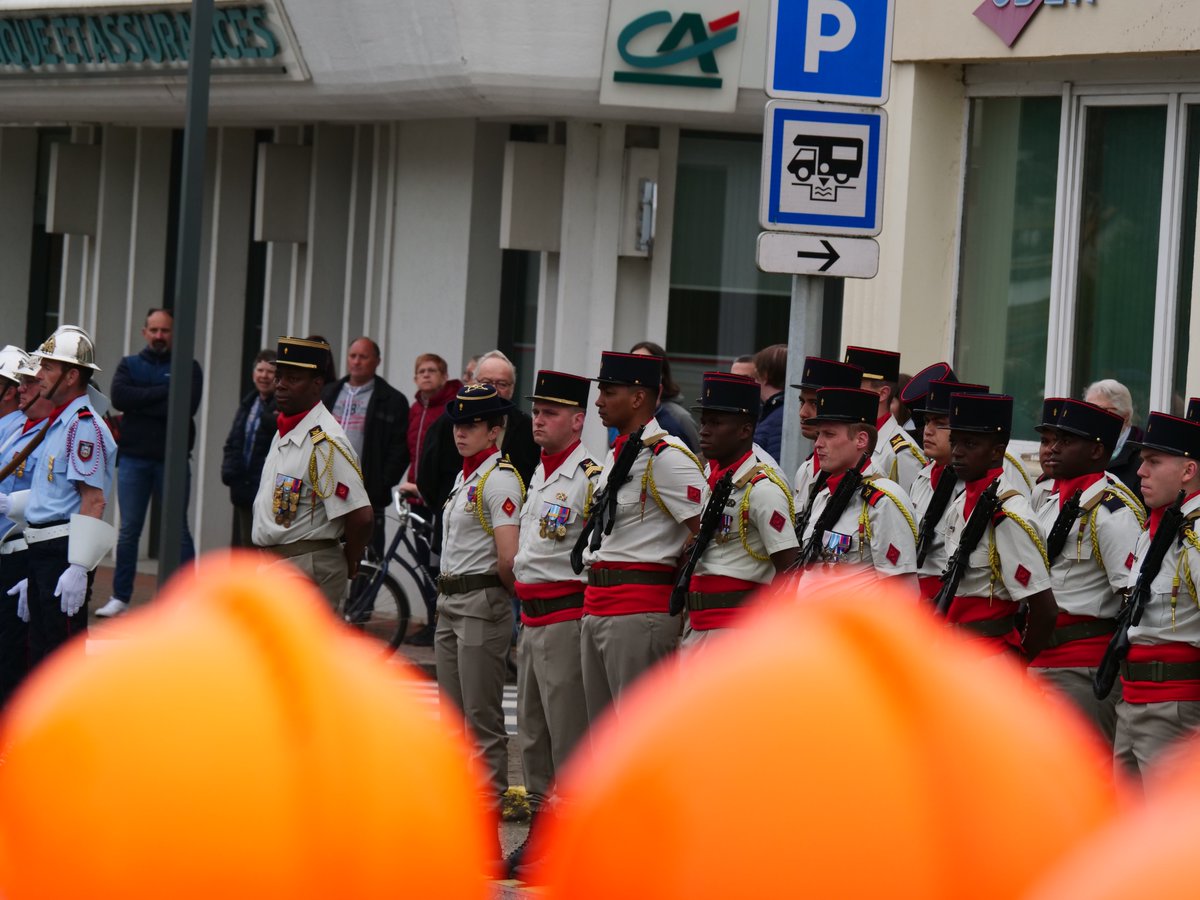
x=871, y=493
x=590, y=468
x=1000, y=500
x=659, y=447
x=754, y=476
x=653, y=439
x=900, y=442
x=1118, y=496
x=84, y=413
x=317, y=434
x=506, y=464
x=1114, y=502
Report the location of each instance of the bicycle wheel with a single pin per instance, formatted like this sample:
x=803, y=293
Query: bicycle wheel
x=383, y=615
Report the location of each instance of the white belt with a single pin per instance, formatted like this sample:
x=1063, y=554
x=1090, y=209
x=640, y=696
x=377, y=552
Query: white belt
x=37, y=535
x=15, y=545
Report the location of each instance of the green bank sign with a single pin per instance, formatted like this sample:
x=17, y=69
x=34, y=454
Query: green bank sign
x=245, y=38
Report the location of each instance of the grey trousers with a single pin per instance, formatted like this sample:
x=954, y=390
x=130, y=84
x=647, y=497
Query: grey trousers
x=1076, y=685
x=616, y=650
x=1146, y=729
x=470, y=650
x=551, y=708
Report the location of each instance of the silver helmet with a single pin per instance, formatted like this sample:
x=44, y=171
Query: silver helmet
x=69, y=344
x=12, y=359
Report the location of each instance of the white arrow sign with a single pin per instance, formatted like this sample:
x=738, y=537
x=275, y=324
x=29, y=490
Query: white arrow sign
x=815, y=254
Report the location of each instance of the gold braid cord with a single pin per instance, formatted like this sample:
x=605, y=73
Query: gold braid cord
x=744, y=512
x=1126, y=496
x=648, y=484
x=900, y=506
x=917, y=453
x=1020, y=469
x=1033, y=535
x=324, y=483
x=480, y=512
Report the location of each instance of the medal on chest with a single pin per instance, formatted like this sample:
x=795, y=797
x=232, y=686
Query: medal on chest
x=50, y=469
x=286, y=499
x=724, y=529
x=472, y=499
x=834, y=546
x=552, y=523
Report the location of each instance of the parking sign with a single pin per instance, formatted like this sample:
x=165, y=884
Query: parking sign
x=822, y=169
x=834, y=50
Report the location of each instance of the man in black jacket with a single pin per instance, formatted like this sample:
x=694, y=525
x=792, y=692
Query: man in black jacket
x=374, y=416
x=139, y=390
x=247, y=445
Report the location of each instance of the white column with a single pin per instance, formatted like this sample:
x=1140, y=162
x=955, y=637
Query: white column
x=328, y=225
x=149, y=209
x=18, y=181
x=109, y=288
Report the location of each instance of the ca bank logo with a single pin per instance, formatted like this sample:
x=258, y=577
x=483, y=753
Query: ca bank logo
x=685, y=40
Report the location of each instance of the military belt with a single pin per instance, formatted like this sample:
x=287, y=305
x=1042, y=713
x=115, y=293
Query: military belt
x=539, y=608
x=615, y=577
x=989, y=627
x=698, y=602
x=464, y=584
x=1157, y=670
x=1080, y=630
x=299, y=548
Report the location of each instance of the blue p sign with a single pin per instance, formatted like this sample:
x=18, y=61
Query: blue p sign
x=839, y=50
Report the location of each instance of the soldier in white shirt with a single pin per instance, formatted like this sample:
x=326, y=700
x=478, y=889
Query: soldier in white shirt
x=1089, y=541
x=818, y=373
x=875, y=530
x=626, y=623
x=551, y=708
x=754, y=541
x=311, y=495
x=480, y=532
x=896, y=453
x=1008, y=566
x=1160, y=680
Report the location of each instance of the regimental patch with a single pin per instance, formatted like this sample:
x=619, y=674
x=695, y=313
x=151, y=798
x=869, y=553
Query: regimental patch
x=509, y=507
x=1023, y=575
x=85, y=449
x=1129, y=561
x=893, y=555
x=693, y=493
x=778, y=520
x=342, y=491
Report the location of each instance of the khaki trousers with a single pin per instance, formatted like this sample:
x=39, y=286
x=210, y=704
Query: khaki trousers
x=1076, y=685
x=470, y=650
x=326, y=568
x=616, y=650
x=551, y=707
x=1144, y=730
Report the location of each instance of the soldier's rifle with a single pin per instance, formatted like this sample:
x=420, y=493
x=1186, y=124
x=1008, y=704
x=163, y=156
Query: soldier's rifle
x=604, y=503
x=710, y=520
x=981, y=516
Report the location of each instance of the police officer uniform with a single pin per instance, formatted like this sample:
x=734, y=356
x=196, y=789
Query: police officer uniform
x=876, y=530
x=819, y=373
x=896, y=453
x=475, y=616
x=1160, y=680
x=310, y=480
x=1093, y=568
x=755, y=524
x=77, y=449
x=551, y=708
x=626, y=623
x=1009, y=564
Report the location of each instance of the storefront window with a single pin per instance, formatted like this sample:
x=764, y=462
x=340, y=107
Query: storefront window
x=1120, y=207
x=1008, y=248
x=721, y=305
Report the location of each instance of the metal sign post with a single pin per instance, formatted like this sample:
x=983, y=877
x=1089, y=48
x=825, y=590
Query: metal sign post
x=187, y=273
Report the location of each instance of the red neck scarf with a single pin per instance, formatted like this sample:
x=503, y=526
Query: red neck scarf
x=30, y=424
x=975, y=488
x=551, y=461
x=473, y=462
x=935, y=474
x=881, y=421
x=1156, y=514
x=1068, y=486
x=715, y=472
x=287, y=423
x=834, y=480
x=816, y=466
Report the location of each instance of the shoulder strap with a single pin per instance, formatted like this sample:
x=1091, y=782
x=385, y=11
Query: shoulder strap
x=903, y=442
x=590, y=468
x=873, y=493
x=753, y=476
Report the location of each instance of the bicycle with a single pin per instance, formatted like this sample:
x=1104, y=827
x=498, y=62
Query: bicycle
x=377, y=605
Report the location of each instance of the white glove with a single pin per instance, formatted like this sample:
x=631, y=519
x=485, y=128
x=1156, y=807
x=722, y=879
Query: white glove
x=20, y=590
x=72, y=587
x=4, y=504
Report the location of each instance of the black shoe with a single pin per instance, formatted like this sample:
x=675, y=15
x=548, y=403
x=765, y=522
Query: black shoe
x=521, y=864
x=422, y=637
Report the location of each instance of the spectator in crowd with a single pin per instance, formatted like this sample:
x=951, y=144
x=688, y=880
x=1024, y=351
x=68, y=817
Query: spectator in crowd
x=900, y=412
x=440, y=459
x=770, y=371
x=744, y=365
x=247, y=444
x=671, y=414
x=434, y=391
x=374, y=416
x=139, y=389
x=469, y=370
x=1114, y=397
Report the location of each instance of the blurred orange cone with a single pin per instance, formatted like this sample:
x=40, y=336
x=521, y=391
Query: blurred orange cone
x=240, y=743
